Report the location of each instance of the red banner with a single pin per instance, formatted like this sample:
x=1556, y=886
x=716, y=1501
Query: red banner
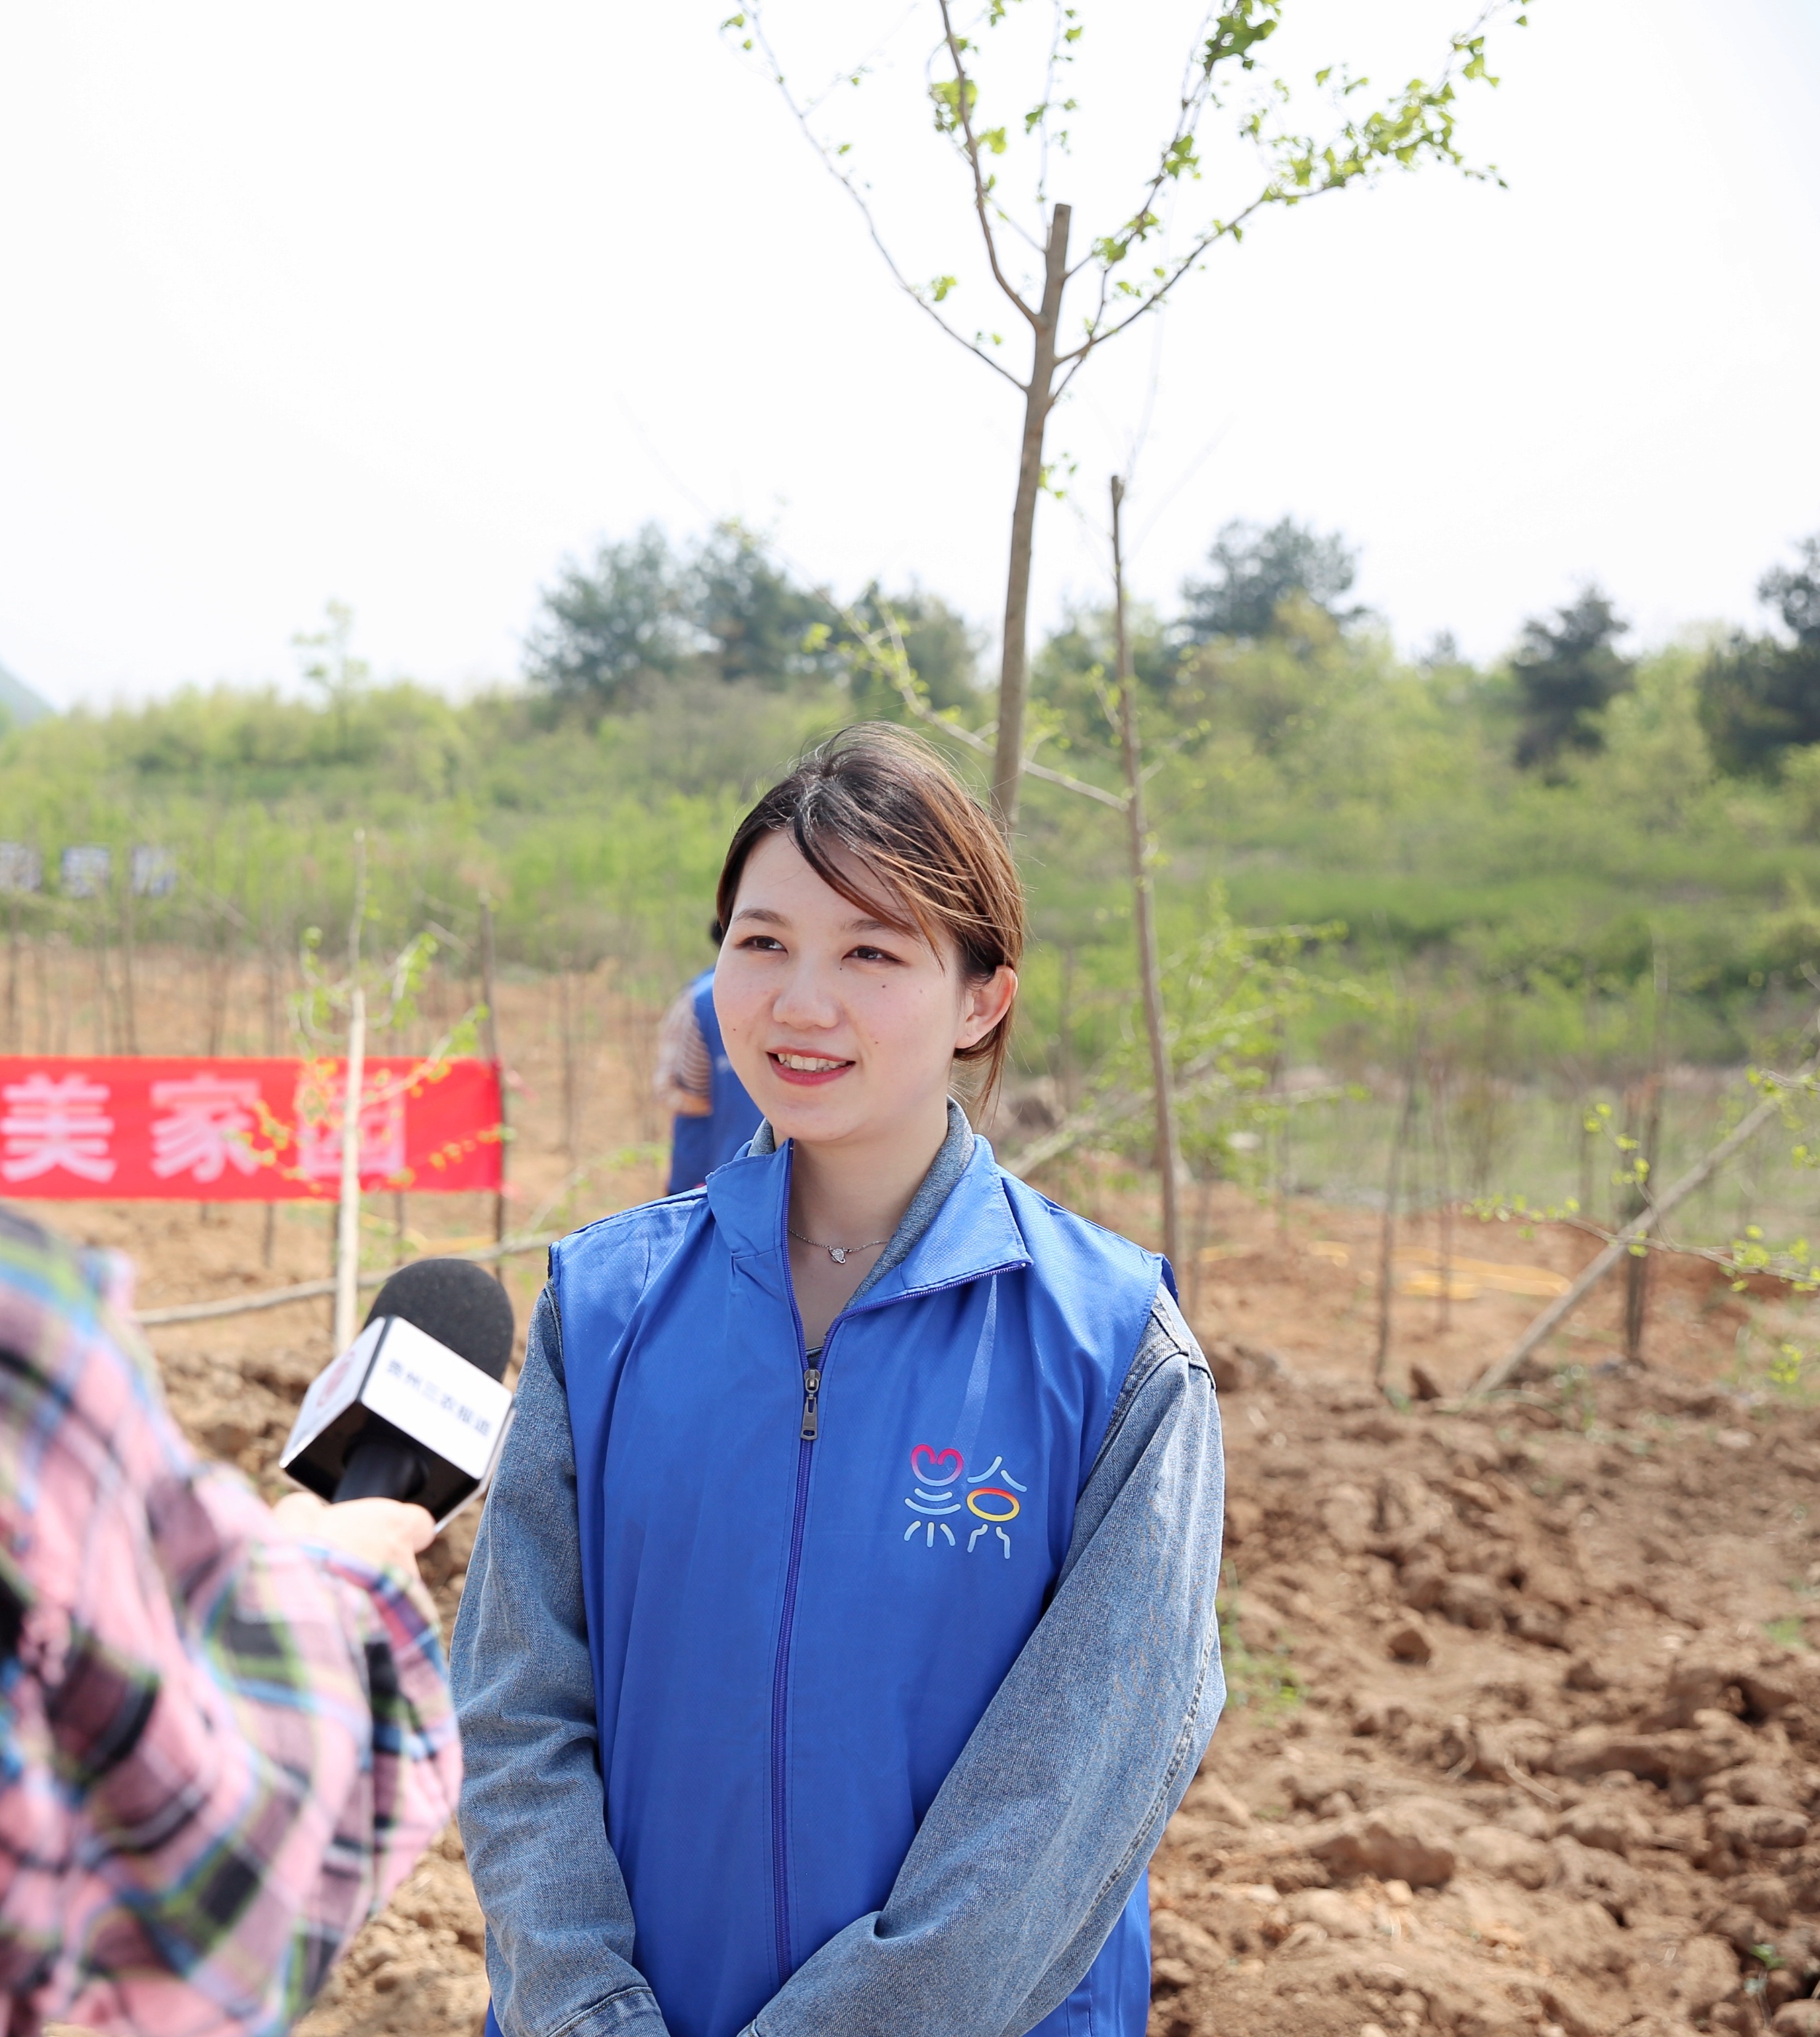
x=122, y=1127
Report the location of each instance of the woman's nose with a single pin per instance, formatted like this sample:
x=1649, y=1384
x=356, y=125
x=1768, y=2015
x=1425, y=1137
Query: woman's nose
x=806, y=997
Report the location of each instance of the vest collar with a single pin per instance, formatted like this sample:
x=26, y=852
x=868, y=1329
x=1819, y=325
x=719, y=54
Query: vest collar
x=972, y=1235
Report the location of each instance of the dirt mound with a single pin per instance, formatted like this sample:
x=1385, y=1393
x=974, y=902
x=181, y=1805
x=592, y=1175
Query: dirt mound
x=1524, y=1732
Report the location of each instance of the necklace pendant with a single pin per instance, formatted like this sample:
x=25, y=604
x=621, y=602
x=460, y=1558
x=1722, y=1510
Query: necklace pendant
x=838, y=1254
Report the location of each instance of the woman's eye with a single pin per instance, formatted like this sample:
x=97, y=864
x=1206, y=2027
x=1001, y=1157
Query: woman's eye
x=872, y=955
x=762, y=944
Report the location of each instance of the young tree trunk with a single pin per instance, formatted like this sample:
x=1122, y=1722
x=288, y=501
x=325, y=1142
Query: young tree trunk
x=1014, y=659
x=274, y=1007
x=129, y=994
x=1663, y=1205
x=41, y=972
x=1169, y=1146
x=348, y=1210
x=572, y=1015
x=14, y=1041
x=1444, y=1191
x=489, y=1046
x=1386, y=1242
x=1649, y=1131
x=1065, y=1033
x=216, y=1012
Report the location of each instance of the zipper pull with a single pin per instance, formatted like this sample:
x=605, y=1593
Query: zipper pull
x=811, y=1387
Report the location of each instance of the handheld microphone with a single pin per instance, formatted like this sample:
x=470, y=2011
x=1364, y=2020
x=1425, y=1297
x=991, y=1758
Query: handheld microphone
x=414, y=1408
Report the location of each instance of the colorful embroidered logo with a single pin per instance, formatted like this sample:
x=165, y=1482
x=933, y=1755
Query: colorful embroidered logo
x=930, y=1467
x=994, y=1506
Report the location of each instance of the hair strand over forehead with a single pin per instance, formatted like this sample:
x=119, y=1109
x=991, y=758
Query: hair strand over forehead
x=881, y=800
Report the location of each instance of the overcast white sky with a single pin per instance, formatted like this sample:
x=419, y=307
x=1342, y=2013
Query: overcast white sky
x=401, y=305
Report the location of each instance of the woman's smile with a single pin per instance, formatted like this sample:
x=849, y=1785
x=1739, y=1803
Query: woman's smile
x=802, y=1070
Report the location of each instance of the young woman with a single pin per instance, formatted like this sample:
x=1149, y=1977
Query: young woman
x=839, y=1634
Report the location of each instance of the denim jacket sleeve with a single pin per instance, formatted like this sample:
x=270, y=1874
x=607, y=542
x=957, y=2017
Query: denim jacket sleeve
x=1080, y=1760
x=559, y=1935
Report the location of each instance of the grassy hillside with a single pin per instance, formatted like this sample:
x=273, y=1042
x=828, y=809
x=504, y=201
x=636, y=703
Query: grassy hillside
x=1316, y=783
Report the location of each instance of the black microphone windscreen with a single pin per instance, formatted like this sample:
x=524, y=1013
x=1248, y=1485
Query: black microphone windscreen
x=459, y=1304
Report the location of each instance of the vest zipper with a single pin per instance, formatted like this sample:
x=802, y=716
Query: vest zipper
x=809, y=1430
x=813, y=1370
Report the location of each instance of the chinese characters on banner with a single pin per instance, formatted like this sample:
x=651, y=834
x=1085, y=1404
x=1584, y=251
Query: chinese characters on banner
x=127, y=1127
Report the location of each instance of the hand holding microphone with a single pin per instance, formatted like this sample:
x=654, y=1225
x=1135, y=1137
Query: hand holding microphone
x=389, y=1534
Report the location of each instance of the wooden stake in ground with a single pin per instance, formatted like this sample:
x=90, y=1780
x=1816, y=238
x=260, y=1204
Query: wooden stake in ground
x=1649, y=1133
x=273, y=1003
x=1696, y=1178
x=129, y=989
x=1387, y=1244
x=14, y=1043
x=489, y=996
x=1137, y=836
x=348, y=1214
x=1443, y=1191
x=104, y=1043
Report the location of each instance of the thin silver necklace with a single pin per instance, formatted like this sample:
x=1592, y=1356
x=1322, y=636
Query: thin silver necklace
x=837, y=1253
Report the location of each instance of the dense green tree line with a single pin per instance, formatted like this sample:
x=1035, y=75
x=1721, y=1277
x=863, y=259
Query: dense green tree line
x=1524, y=838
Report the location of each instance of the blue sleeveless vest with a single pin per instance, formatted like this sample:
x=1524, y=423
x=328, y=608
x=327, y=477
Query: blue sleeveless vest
x=699, y=1145
x=793, y=1638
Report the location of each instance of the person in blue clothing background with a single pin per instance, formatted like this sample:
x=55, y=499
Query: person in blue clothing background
x=711, y=1116
x=840, y=1634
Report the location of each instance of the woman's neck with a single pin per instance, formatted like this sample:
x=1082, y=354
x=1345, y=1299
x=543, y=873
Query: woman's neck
x=848, y=1194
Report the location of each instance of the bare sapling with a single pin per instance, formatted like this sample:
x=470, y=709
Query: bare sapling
x=14, y=1039
x=1443, y=1192
x=1637, y=1232
x=1386, y=1235
x=348, y=1211
x=1028, y=255
x=489, y=1042
x=1648, y=1130
x=128, y=988
x=337, y=1013
x=1143, y=905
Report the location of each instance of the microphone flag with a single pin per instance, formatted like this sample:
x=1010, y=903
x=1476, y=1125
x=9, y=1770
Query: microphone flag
x=456, y=1413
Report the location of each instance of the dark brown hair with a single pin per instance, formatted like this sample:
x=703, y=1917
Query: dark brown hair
x=877, y=796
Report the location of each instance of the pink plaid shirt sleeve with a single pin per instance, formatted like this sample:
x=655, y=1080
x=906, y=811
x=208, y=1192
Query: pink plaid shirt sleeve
x=220, y=1750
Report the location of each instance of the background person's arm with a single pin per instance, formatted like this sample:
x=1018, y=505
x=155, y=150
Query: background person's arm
x=559, y=1920
x=1035, y=1840
x=682, y=1081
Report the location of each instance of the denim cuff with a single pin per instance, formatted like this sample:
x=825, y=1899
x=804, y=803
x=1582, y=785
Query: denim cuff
x=631, y=2012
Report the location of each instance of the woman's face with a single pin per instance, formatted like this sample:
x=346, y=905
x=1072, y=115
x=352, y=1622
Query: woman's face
x=841, y=1029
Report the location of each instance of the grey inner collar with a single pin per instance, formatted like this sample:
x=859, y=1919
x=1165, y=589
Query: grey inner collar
x=947, y=1167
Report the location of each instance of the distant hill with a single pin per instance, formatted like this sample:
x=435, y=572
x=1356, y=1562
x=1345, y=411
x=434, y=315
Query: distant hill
x=18, y=703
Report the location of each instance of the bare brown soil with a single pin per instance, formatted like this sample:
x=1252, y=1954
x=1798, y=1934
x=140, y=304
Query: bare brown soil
x=1525, y=1731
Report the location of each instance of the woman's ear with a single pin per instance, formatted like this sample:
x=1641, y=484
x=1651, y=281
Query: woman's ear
x=986, y=1001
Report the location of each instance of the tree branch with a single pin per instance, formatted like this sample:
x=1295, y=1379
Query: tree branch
x=980, y=746
x=1369, y=149
x=963, y=114
x=1223, y=231
x=894, y=665
x=831, y=162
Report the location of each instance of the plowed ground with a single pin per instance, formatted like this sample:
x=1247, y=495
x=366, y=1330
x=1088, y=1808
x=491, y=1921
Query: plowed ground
x=1524, y=1734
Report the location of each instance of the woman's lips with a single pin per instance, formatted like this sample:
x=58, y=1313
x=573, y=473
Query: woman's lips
x=820, y=1069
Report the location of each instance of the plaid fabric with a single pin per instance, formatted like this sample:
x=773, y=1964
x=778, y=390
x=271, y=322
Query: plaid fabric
x=221, y=1749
